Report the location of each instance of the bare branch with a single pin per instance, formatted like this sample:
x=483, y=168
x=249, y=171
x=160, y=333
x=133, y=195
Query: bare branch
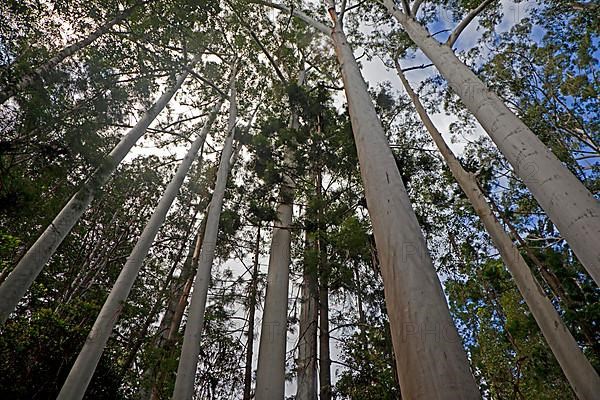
x=466, y=21
x=299, y=14
x=422, y=66
x=415, y=7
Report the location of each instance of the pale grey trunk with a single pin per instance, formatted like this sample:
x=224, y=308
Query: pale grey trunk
x=570, y=206
x=43, y=70
x=153, y=375
x=82, y=371
x=431, y=361
x=581, y=375
x=325, y=389
x=186, y=370
x=30, y=265
x=251, y=316
x=306, y=364
x=270, y=373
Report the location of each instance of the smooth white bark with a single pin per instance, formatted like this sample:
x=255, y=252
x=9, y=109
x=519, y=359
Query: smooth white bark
x=186, y=370
x=568, y=203
x=581, y=375
x=82, y=371
x=31, y=264
x=270, y=373
x=430, y=359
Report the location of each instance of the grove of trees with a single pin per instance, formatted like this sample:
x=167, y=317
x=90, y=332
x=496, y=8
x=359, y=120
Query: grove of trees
x=246, y=199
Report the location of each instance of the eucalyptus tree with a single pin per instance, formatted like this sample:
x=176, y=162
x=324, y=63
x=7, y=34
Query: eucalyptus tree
x=84, y=367
x=62, y=304
x=186, y=370
x=30, y=265
x=426, y=369
x=270, y=375
x=184, y=14
x=577, y=368
x=568, y=203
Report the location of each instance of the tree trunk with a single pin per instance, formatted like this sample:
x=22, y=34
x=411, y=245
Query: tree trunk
x=554, y=283
x=82, y=371
x=581, y=375
x=186, y=370
x=431, y=361
x=43, y=70
x=568, y=203
x=270, y=374
x=307, y=332
x=171, y=320
x=323, y=269
x=251, y=315
x=31, y=264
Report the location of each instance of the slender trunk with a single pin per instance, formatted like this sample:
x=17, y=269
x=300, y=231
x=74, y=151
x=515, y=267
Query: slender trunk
x=31, y=264
x=581, y=375
x=555, y=284
x=43, y=70
x=324, y=352
x=251, y=315
x=138, y=340
x=270, y=374
x=82, y=371
x=154, y=374
x=307, y=341
x=432, y=363
x=186, y=370
x=323, y=268
x=568, y=203
x=362, y=319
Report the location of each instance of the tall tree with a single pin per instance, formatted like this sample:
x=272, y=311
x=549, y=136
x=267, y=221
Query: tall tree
x=568, y=203
x=270, y=375
x=251, y=315
x=577, y=368
x=306, y=366
x=85, y=365
x=30, y=265
x=41, y=71
x=427, y=367
x=186, y=370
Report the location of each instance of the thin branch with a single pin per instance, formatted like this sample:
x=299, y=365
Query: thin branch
x=422, y=66
x=415, y=7
x=342, y=10
x=360, y=3
x=259, y=43
x=406, y=7
x=299, y=14
x=203, y=79
x=466, y=21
